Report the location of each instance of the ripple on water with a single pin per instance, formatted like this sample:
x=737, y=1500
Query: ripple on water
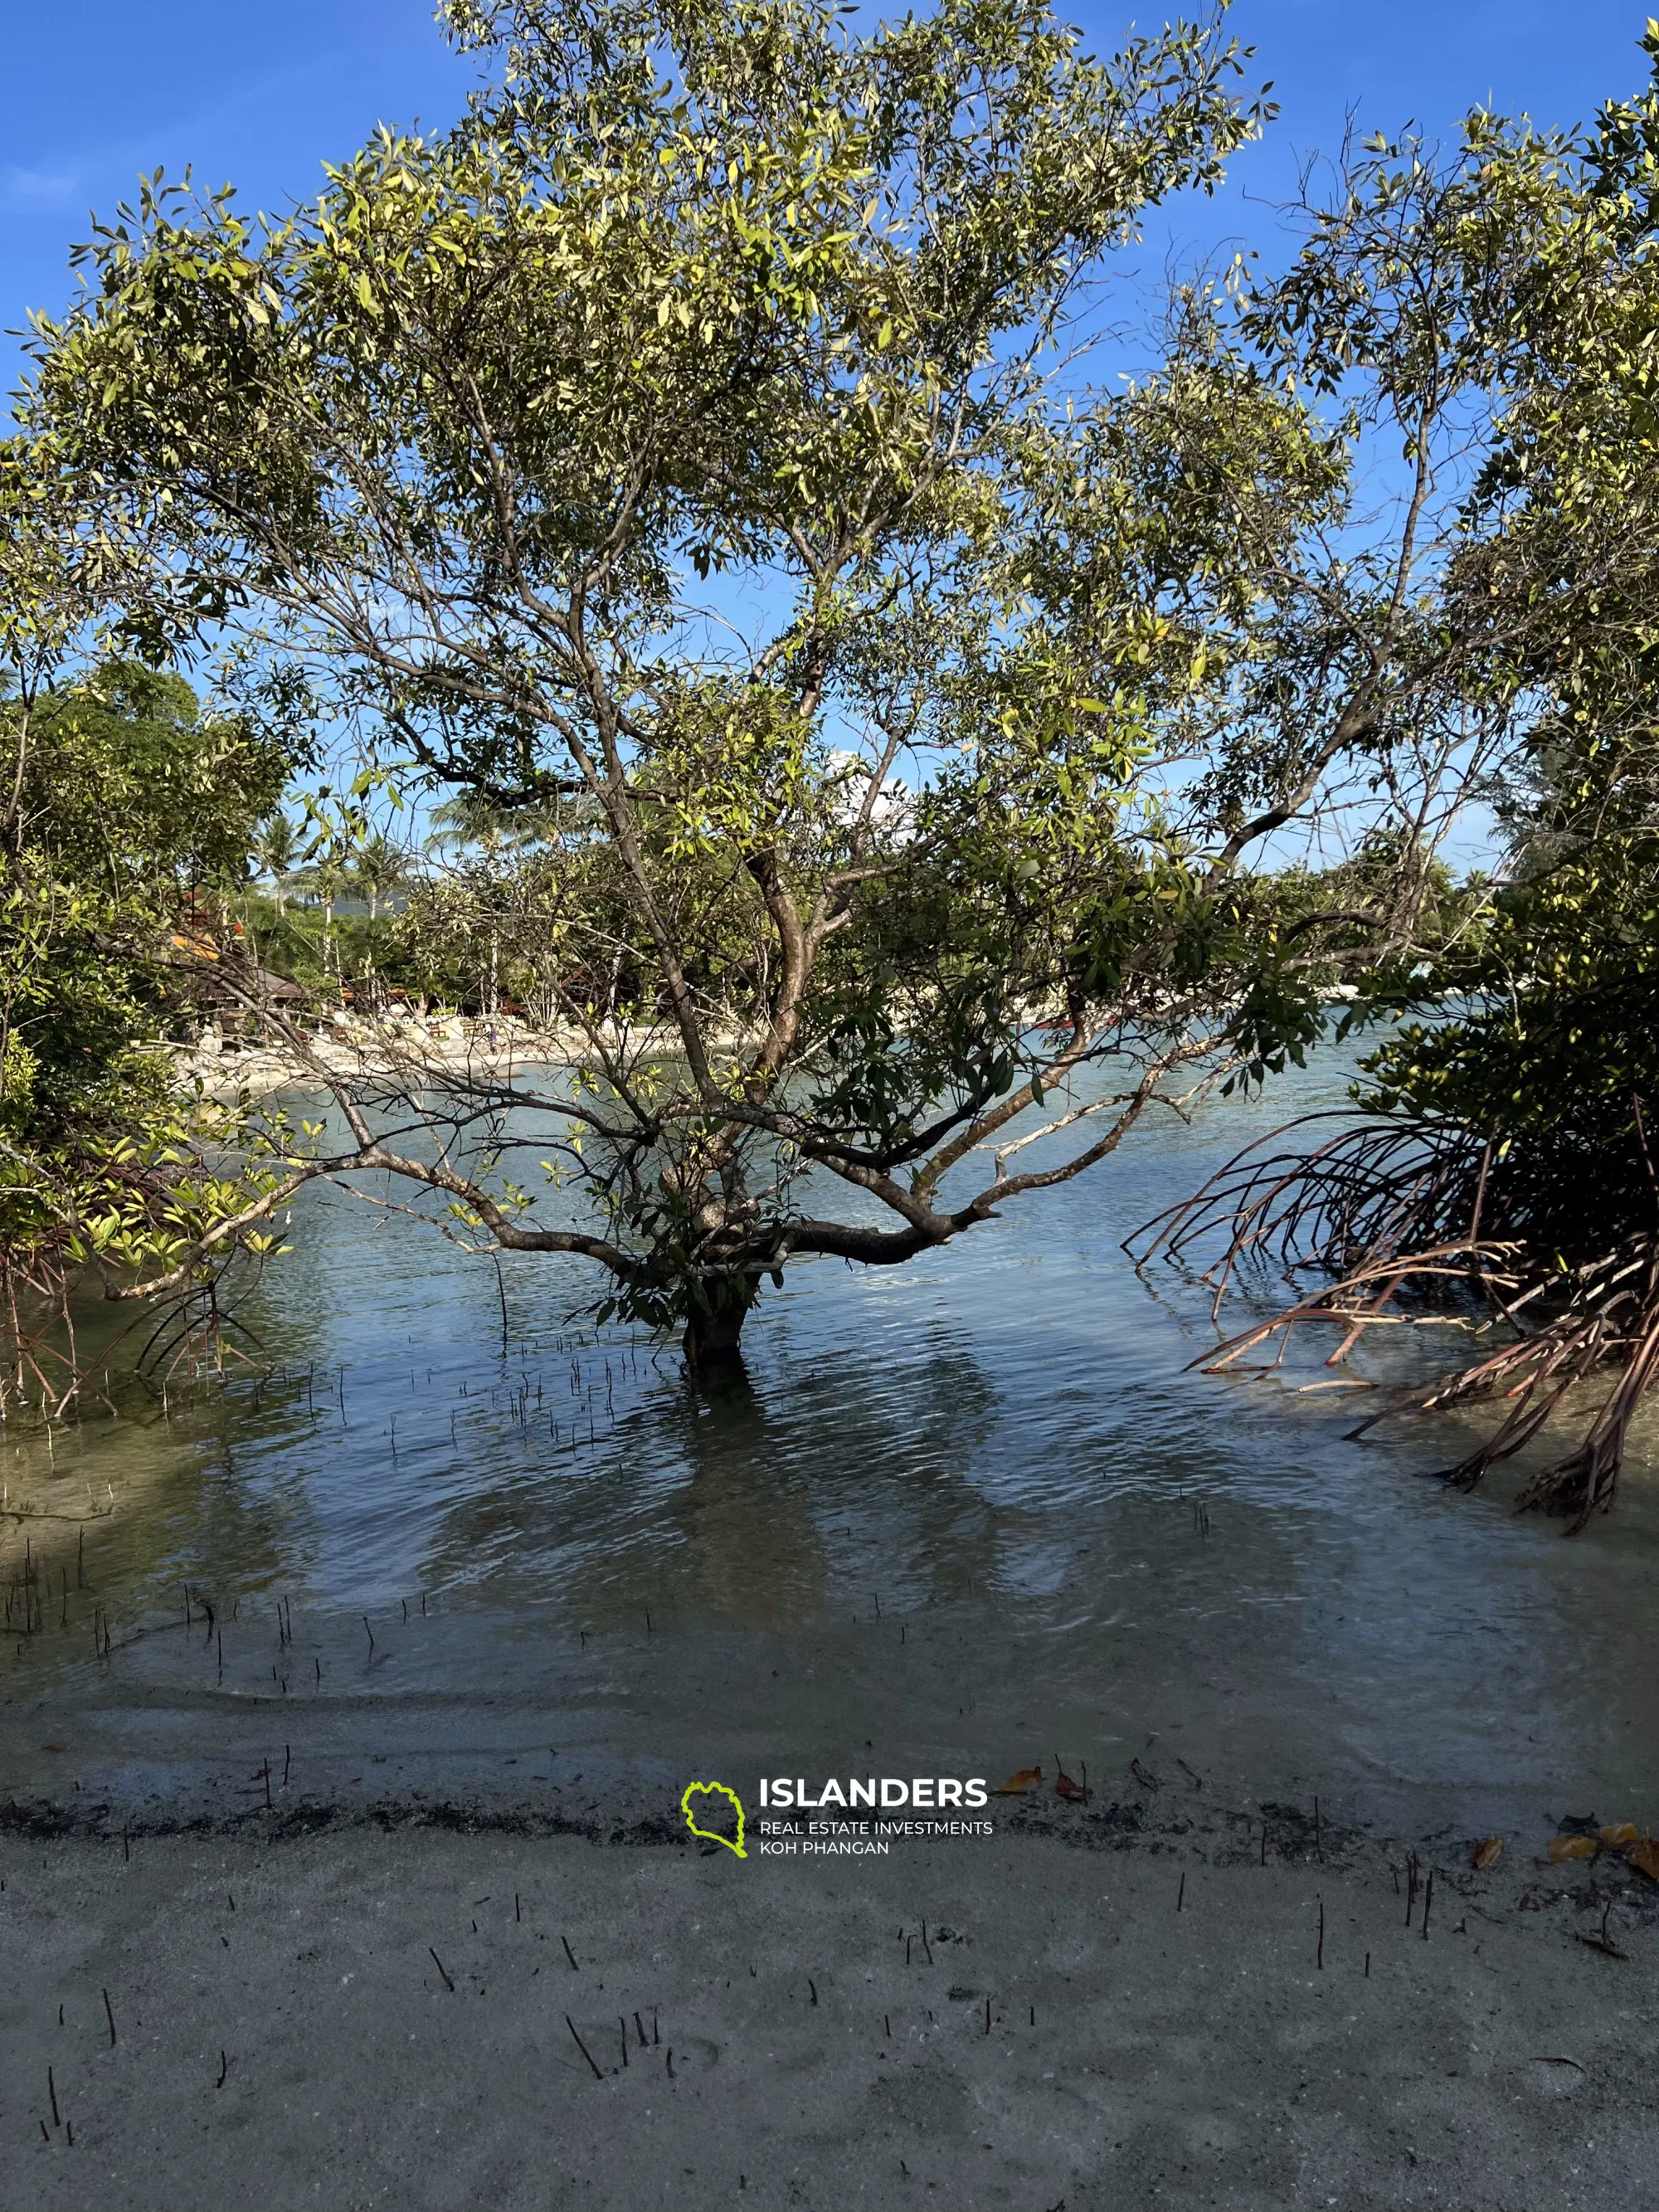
x=955, y=1514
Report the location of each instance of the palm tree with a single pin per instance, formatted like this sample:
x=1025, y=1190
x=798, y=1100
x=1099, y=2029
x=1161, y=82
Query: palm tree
x=377, y=868
x=324, y=880
x=470, y=818
x=276, y=849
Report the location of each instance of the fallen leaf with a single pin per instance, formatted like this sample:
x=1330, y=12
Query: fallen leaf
x=1571, y=1847
x=1486, y=1852
x=1620, y=1837
x=1017, y=1784
x=1074, y=1792
x=1645, y=1858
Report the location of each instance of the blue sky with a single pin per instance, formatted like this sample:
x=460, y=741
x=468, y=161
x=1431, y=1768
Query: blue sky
x=92, y=92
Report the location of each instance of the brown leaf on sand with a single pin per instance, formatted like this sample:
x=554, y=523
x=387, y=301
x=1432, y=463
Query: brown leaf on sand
x=1075, y=1793
x=1620, y=1837
x=1017, y=1784
x=1571, y=1847
x=1486, y=1852
x=1644, y=1857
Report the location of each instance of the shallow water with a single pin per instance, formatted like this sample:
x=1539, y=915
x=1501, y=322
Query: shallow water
x=954, y=1526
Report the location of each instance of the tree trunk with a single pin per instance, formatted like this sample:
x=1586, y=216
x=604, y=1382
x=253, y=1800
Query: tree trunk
x=713, y=1340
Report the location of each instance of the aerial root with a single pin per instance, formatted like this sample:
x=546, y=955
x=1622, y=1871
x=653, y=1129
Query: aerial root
x=1395, y=1210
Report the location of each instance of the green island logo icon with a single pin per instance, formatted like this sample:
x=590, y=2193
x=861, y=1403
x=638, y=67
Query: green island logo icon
x=710, y=1835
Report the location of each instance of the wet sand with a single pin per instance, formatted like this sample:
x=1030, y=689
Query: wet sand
x=365, y=2013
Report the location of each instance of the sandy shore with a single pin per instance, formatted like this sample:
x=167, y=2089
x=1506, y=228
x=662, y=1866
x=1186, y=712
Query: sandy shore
x=367, y=2014
x=365, y=1050
x=470, y=1048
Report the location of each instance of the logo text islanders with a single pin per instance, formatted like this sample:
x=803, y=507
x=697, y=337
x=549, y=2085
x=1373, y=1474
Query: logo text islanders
x=859, y=1817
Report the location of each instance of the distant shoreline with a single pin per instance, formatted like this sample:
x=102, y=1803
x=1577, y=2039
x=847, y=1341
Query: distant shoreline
x=226, y=1069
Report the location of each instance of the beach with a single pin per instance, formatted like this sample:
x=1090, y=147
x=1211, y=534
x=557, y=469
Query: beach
x=304, y=2011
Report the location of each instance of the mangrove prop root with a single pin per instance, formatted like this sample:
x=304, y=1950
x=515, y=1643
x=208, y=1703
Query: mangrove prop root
x=1420, y=1221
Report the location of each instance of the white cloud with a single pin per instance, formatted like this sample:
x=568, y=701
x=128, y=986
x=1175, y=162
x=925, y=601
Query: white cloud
x=36, y=192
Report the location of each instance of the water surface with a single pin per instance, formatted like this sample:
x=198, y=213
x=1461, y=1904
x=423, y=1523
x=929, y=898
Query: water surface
x=968, y=1514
